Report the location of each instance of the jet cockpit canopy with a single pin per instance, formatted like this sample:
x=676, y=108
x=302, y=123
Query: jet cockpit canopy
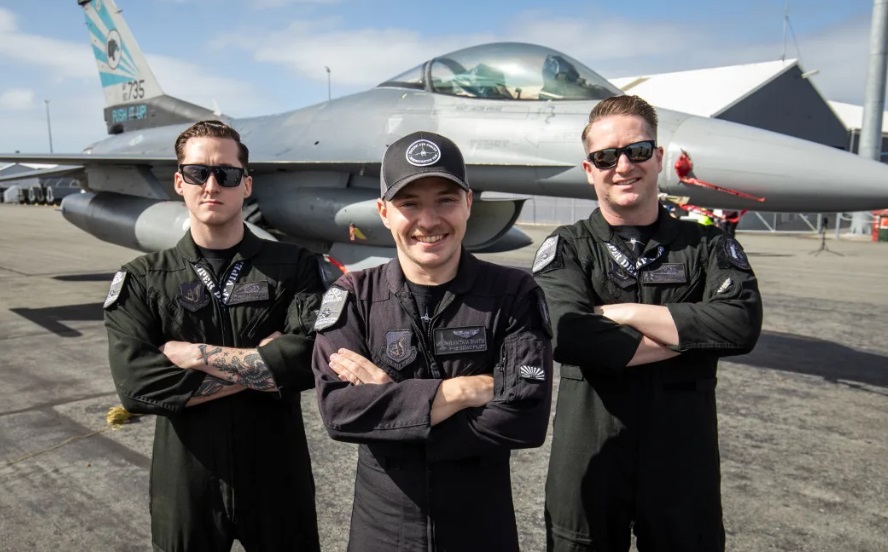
x=507, y=71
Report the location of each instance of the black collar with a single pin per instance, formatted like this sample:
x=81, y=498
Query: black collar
x=665, y=232
x=250, y=246
x=466, y=274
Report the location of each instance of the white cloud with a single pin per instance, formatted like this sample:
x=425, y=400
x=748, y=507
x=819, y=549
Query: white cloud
x=263, y=4
x=839, y=51
x=356, y=57
x=64, y=58
x=365, y=57
x=195, y=83
x=16, y=99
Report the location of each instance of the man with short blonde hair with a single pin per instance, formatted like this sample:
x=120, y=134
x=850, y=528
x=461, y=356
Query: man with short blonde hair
x=643, y=306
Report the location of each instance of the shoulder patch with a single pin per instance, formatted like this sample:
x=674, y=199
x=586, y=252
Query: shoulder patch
x=116, y=287
x=331, y=308
x=545, y=254
x=734, y=253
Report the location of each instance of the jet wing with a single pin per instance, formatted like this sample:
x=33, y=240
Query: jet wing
x=71, y=162
x=84, y=159
x=54, y=171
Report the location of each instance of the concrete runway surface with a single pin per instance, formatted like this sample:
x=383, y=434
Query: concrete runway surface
x=803, y=418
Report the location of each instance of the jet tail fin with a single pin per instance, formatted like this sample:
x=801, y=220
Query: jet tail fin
x=133, y=97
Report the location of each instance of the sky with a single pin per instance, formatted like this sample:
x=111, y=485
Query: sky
x=257, y=57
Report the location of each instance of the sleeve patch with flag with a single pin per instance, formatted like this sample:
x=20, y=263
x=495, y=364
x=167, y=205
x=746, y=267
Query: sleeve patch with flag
x=116, y=287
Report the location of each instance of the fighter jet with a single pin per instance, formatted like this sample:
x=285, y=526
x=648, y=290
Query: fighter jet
x=516, y=111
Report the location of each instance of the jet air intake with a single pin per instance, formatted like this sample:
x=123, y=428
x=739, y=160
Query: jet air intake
x=350, y=215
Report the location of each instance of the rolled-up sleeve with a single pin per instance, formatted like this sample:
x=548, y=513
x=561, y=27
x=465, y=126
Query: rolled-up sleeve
x=146, y=381
x=289, y=356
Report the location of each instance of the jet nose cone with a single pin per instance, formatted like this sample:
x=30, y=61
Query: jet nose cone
x=790, y=173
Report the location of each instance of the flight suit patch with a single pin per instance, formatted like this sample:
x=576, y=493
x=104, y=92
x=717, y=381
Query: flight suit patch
x=331, y=308
x=248, y=292
x=534, y=373
x=619, y=276
x=193, y=296
x=116, y=287
x=734, y=253
x=667, y=273
x=399, y=352
x=545, y=254
x=471, y=339
x=726, y=286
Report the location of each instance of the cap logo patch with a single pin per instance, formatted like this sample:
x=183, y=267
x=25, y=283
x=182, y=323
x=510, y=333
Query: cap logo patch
x=423, y=153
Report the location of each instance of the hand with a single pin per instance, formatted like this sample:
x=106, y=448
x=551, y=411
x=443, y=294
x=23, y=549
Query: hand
x=478, y=389
x=353, y=368
x=270, y=338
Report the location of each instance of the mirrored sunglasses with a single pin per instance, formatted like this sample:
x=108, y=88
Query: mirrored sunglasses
x=637, y=153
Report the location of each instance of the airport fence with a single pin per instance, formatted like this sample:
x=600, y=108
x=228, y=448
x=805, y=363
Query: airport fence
x=557, y=210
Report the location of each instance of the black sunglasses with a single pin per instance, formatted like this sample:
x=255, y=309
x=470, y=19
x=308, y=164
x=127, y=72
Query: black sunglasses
x=229, y=177
x=637, y=153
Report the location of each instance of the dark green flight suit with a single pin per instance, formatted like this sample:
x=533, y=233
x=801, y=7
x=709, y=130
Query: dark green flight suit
x=235, y=467
x=637, y=447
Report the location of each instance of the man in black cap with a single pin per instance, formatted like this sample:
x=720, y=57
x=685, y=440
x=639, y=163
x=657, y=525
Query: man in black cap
x=437, y=363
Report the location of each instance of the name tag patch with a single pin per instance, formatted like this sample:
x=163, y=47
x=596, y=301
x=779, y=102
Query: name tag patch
x=470, y=339
x=248, y=292
x=667, y=273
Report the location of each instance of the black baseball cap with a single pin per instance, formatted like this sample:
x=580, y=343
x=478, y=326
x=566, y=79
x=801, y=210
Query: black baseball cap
x=420, y=155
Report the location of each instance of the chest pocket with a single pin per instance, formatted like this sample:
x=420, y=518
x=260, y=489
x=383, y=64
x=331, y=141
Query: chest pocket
x=689, y=292
x=176, y=323
x=263, y=308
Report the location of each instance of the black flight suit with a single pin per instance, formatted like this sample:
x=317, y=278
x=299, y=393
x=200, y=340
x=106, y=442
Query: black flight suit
x=448, y=487
x=640, y=444
x=235, y=467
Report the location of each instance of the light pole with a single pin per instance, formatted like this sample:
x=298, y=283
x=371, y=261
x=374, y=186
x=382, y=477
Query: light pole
x=48, y=125
x=329, y=95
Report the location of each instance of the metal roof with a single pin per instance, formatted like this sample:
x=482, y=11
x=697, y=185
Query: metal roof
x=704, y=92
x=852, y=116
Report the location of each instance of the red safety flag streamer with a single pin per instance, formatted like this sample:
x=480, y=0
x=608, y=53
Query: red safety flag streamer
x=683, y=168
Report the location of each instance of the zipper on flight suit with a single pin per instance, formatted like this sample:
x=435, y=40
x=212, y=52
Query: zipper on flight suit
x=227, y=336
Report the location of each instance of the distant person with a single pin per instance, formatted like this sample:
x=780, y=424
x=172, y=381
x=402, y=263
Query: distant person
x=643, y=305
x=438, y=364
x=215, y=337
x=732, y=219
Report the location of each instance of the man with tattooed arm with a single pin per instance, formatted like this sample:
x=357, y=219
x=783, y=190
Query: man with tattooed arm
x=215, y=336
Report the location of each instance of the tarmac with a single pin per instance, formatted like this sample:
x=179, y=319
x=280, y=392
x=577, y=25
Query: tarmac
x=802, y=419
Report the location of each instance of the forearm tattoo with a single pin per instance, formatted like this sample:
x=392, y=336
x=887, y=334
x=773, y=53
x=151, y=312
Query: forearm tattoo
x=210, y=386
x=249, y=371
x=205, y=355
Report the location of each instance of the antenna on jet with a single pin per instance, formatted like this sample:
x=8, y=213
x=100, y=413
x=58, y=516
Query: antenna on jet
x=787, y=27
x=329, y=95
x=216, y=110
